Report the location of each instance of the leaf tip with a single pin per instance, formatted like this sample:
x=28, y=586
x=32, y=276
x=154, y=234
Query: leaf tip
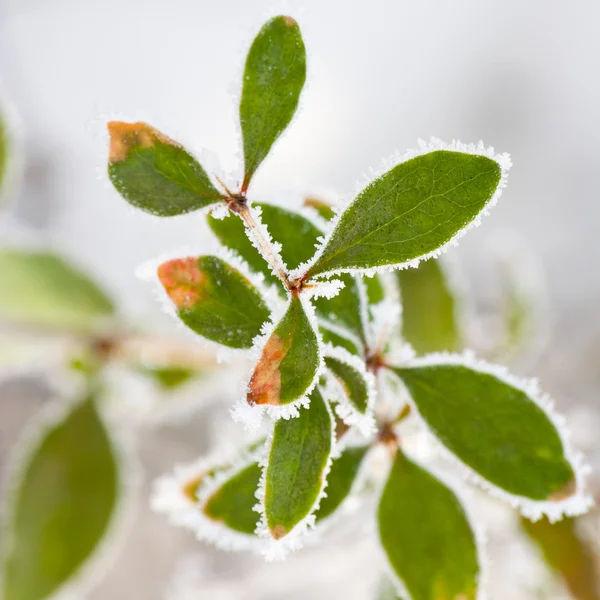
x=289, y=21
x=182, y=279
x=567, y=491
x=126, y=136
x=278, y=531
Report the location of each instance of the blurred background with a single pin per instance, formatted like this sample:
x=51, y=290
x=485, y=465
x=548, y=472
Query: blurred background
x=521, y=76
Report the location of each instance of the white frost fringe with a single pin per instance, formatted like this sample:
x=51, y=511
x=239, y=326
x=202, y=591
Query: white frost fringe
x=503, y=161
x=169, y=499
x=271, y=548
x=577, y=504
x=334, y=390
x=252, y=416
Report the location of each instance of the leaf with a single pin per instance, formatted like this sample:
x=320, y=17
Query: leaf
x=426, y=535
x=214, y=299
x=274, y=75
x=233, y=502
x=375, y=289
x=339, y=341
x=62, y=506
x=289, y=361
x=343, y=310
x=169, y=378
x=352, y=382
x=295, y=473
x=429, y=321
x=494, y=428
x=41, y=288
x=409, y=212
x=324, y=210
x=340, y=480
x=155, y=173
x=568, y=554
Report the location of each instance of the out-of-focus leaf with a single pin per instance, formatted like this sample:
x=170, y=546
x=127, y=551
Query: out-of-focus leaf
x=352, y=382
x=155, y=173
x=340, y=480
x=410, y=211
x=289, y=361
x=274, y=75
x=214, y=299
x=62, y=505
x=426, y=535
x=494, y=428
x=324, y=209
x=41, y=288
x=169, y=378
x=375, y=289
x=296, y=466
x=330, y=337
x=429, y=321
x=568, y=554
x=232, y=503
x=344, y=309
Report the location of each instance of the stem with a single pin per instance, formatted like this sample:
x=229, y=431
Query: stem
x=267, y=251
x=128, y=346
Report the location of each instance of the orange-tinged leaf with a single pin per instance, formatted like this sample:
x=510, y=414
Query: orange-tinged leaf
x=214, y=299
x=289, y=361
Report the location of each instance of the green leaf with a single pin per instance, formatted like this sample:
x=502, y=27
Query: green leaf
x=169, y=378
x=429, y=321
x=568, y=554
x=289, y=360
x=232, y=503
x=62, y=505
x=343, y=310
x=494, y=428
x=426, y=535
x=375, y=289
x=339, y=341
x=214, y=299
x=274, y=75
x=324, y=209
x=295, y=474
x=352, y=382
x=41, y=288
x=340, y=480
x=409, y=212
x=155, y=173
